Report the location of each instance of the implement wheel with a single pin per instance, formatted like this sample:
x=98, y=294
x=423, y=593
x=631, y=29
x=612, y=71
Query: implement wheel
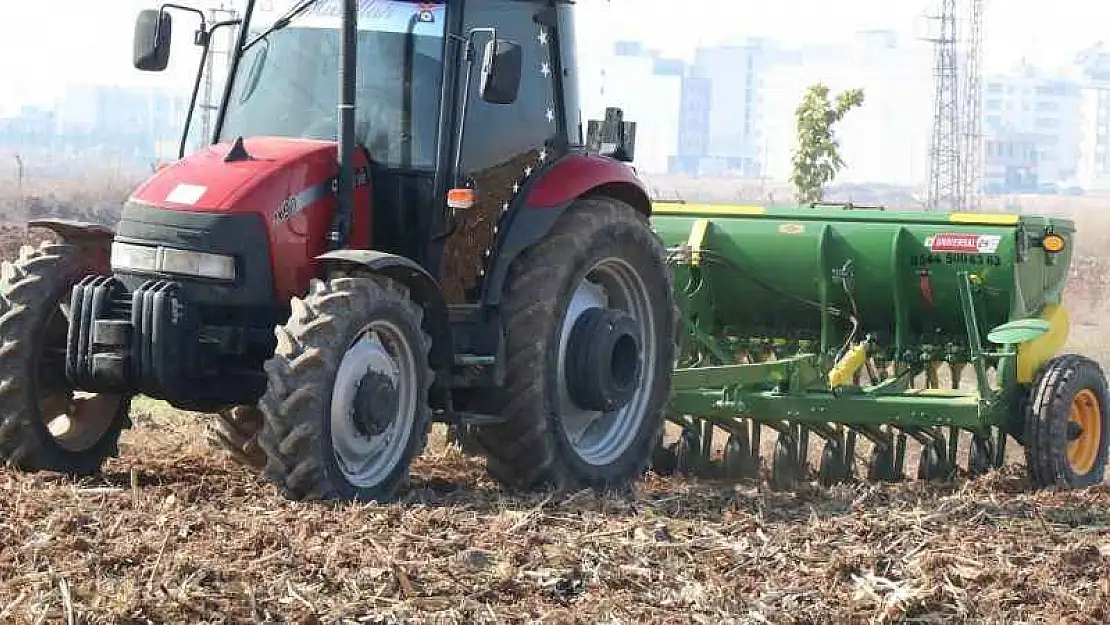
x=589, y=321
x=47, y=424
x=1066, y=424
x=346, y=408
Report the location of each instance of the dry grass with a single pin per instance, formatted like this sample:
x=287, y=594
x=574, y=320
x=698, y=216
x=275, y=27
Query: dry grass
x=175, y=532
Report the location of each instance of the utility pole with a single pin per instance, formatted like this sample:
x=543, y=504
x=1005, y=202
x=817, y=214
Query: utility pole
x=972, y=101
x=22, y=197
x=944, y=164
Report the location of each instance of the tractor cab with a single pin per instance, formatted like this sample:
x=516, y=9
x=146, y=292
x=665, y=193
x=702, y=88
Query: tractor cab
x=444, y=116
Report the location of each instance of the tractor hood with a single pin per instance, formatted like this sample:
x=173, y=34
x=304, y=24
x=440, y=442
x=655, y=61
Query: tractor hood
x=229, y=177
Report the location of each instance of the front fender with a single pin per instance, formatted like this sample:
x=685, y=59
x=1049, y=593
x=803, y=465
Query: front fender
x=544, y=198
x=423, y=287
x=95, y=240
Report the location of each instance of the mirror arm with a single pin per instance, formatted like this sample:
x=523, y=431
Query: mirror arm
x=192, y=102
x=203, y=32
x=468, y=59
x=205, y=51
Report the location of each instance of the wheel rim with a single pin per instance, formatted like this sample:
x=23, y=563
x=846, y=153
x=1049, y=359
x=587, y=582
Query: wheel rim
x=366, y=459
x=599, y=438
x=76, y=420
x=1085, y=414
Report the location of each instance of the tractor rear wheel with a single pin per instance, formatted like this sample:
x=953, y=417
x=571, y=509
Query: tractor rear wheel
x=589, y=321
x=346, y=409
x=1066, y=424
x=46, y=424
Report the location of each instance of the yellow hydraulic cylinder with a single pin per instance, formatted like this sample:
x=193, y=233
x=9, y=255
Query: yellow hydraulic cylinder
x=846, y=367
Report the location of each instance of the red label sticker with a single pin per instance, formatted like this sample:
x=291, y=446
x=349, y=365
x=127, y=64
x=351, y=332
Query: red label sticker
x=966, y=243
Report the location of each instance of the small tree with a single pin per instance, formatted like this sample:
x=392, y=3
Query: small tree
x=817, y=156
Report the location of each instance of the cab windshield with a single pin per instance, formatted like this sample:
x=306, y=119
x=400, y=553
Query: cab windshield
x=287, y=83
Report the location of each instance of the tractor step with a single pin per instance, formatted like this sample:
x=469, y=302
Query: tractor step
x=474, y=360
x=473, y=418
x=477, y=340
x=467, y=418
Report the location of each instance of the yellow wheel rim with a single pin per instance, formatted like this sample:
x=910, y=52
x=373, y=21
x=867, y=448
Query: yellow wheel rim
x=1086, y=414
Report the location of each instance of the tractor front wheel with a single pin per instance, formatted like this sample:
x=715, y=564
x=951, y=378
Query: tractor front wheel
x=46, y=424
x=1066, y=424
x=589, y=322
x=346, y=409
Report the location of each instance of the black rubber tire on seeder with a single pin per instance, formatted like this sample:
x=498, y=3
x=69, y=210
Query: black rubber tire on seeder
x=296, y=432
x=31, y=289
x=1046, y=421
x=530, y=450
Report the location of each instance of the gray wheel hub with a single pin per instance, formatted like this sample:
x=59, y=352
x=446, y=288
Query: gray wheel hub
x=373, y=405
x=606, y=362
x=603, y=359
x=377, y=400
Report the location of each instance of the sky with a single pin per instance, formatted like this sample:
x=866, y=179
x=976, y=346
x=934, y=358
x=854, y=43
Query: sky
x=68, y=41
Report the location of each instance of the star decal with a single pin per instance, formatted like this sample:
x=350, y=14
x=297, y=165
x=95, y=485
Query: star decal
x=543, y=155
x=516, y=188
x=542, y=37
x=550, y=116
x=545, y=69
x=527, y=171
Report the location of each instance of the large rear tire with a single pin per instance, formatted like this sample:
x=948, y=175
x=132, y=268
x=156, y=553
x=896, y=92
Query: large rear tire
x=346, y=409
x=45, y=425
x=601, y=267
x=1066, y=425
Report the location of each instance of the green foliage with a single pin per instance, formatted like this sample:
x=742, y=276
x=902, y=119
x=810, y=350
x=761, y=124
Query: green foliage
x=817, y=156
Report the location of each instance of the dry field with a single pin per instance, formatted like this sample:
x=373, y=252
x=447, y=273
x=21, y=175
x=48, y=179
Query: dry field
x=174, y=532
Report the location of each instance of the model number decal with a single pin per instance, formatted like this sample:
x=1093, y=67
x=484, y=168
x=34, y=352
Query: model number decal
x=952, y=258
x=294, y=204
x=966, y=243
x=286, y=210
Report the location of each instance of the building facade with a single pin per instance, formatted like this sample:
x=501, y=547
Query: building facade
x=1031, y=107
x=648, y=88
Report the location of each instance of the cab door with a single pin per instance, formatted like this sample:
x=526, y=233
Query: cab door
x=503, y=145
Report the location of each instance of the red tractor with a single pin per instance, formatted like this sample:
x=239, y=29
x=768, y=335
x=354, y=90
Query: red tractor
x=340, y=267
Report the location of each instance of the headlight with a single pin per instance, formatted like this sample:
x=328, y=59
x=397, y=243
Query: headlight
x=145, y=258
x=215, y=266
x=136, y=257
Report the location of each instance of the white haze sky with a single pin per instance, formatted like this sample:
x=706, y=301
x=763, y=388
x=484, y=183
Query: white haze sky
x=47, y=44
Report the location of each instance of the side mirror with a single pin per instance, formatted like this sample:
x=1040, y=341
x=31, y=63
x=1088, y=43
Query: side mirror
x=152, y=40
x=613, y=137
x=501, y=67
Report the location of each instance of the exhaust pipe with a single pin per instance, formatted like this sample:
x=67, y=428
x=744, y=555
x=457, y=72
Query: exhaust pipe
x=345, y=195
